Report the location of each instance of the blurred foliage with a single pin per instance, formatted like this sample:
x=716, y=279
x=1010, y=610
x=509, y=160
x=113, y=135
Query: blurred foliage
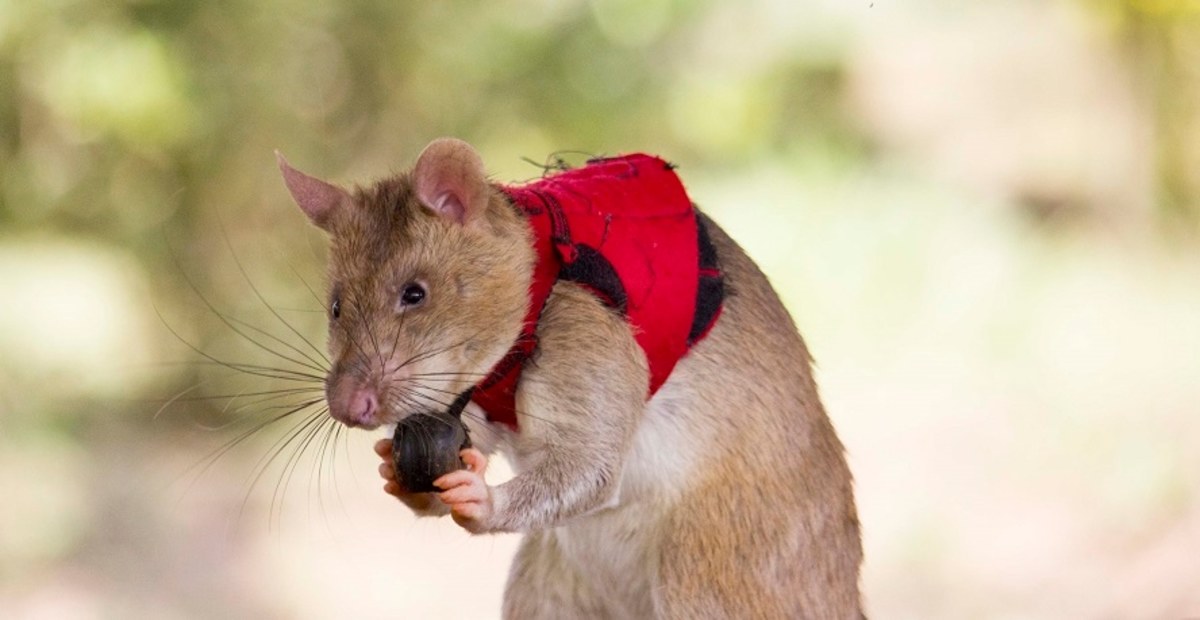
x=984, y=216
x=1163, y=41
x=151, y=107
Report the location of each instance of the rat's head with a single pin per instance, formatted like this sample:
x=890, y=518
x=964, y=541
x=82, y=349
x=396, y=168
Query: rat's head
x=428, y=283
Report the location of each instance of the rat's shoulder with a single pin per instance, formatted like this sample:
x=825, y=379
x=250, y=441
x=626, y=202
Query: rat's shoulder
x=573, y=313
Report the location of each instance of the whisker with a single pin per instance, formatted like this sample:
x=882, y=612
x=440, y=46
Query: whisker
x=242, y=367
x=298, y=390
x=323, y=367
x=408, y=399
x=289, y=468
x=319, y=470
x=396, y=340
x=519, y=412
x=195, y=289
x=446, y=377
x=333, y=448
x=320, y=302
x=264, y=462
x=260, y=297
x=250, y=369
x=209, y=460
x=418, y=357
x=175, y=399
x=346, y=451
x=370, y=327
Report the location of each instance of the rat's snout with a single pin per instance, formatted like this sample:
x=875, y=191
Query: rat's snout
x=362, y=407
x=354, y=404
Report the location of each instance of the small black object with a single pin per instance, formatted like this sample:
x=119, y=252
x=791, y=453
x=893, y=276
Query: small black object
x=425, y=446
x=413, y=294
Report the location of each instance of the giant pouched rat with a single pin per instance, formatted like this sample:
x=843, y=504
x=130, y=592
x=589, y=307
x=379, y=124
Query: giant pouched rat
x=725, y=494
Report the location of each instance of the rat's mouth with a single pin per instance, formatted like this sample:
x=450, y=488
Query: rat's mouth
x=394, y=413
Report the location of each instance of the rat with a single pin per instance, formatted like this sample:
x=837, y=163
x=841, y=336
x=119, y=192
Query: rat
x=704, y=483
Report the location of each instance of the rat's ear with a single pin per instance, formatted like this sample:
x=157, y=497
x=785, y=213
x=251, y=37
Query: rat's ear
x=450, y=181
x=318, y=199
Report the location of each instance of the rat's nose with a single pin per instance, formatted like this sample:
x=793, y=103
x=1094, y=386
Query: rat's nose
x=362, y=406
x=354, y=405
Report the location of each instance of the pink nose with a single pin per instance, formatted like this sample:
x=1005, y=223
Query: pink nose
x=357, y=407
x=363, y=404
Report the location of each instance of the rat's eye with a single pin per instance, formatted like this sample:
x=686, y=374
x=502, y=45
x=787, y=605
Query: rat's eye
x=335, y=308
x=412, y=295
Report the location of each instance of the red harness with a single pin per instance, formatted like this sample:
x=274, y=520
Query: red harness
x=625, y=228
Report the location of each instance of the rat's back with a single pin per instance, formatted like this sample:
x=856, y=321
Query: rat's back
x=773, y=491
x=735, y=500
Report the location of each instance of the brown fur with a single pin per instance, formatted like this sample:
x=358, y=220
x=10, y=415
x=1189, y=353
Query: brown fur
x=776, y=498
x=383, y=240
x=724, y=496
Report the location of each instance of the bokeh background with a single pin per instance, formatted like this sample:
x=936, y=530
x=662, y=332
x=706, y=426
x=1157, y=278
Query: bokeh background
x=985, y=217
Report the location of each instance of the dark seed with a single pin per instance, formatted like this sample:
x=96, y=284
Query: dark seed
x=425, y=447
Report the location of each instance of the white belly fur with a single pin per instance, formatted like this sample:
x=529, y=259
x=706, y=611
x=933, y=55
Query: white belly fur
x=616, y=548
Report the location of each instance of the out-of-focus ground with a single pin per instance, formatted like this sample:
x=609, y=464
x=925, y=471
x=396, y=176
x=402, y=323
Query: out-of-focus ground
x=984, y=217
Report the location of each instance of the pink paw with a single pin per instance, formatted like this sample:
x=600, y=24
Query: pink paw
x=466, y=493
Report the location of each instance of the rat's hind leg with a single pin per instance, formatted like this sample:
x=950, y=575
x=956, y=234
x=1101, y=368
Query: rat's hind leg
x=797, y=559
x=544, y=584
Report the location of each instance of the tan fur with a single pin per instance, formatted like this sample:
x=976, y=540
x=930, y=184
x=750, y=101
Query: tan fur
x=476, y=302
x=724, y=496
x=753, y=519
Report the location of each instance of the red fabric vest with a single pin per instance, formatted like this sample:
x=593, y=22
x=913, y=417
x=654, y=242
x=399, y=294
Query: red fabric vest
x=625, y=228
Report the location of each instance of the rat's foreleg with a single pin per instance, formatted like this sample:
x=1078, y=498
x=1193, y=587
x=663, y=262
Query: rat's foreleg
x=578, y=407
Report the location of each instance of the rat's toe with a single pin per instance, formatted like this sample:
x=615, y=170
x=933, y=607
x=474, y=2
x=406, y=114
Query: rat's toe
x=386, y=471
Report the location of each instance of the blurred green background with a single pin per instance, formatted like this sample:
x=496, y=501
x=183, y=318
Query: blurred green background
x=984, y=216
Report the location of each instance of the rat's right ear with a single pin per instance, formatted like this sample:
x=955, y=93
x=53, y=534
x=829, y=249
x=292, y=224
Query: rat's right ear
x=318, y=199
x=450, y=180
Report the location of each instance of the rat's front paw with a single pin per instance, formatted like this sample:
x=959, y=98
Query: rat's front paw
x=423, y=504
x=466, y=492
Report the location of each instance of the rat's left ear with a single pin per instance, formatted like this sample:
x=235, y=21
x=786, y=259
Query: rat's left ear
x=319, y=200
x=449, y=180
